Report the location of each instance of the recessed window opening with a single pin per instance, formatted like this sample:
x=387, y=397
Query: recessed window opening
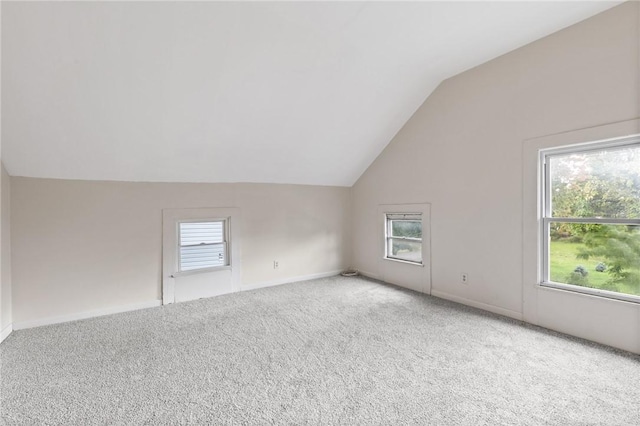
x=403, y=236
x=203, y=245
x=591, y=218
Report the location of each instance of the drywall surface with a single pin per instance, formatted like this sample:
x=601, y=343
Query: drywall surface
x=5, y=250
x=178, y=91
x=462, y=152
x=5, y=240
x=85, y=246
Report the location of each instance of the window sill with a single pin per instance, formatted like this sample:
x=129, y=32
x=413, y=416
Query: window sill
x=593, y=292
x=200, y=271
x=404, y=261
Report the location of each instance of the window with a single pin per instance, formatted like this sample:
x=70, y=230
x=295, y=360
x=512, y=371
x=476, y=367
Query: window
x=202, y=245
x=591, y=218
x=403, y=236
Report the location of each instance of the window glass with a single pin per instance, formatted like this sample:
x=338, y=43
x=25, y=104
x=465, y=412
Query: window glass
x=592, y=219
x=202, y=245
x=406, y=250
x=403, y=234
x=603, y=183
x=406, y=228
x=599, y=256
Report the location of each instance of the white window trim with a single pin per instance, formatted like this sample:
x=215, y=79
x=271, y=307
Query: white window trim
x=409, y=275
x=547, y=219
x=169, y=235
x=226, y=241
x=387, y=237
x=570, y=312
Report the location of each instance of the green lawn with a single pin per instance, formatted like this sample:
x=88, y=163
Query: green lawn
x=563, y=262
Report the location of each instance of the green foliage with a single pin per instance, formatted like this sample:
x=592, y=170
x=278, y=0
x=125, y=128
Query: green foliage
x=611, y=286
x=578, y=279
x=602, y=184
x=562, y=263
x=620, y=245
x=581, y=270
x=579, y=276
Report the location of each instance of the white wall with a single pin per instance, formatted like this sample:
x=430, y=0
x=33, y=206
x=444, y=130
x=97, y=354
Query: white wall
x=462, y=151
x=88, y=246
x=5, y=238
x=6, y=317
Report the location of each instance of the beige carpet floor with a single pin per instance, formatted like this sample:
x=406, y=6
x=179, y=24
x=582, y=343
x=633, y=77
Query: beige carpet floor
x=332, y=351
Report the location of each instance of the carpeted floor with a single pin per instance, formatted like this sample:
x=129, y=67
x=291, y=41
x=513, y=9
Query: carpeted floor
x=331, y=351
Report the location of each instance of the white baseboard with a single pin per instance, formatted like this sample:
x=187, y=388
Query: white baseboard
x=6, y=332
x=288, y=280
x=485, y=307
x=443, y=295
x=84, y=315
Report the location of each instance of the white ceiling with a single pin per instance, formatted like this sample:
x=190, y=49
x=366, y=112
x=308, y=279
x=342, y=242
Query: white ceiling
x=306, y=93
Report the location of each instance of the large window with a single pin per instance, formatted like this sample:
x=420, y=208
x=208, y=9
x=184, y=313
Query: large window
x=203, y=245
x=404, y=237
x=591, y=218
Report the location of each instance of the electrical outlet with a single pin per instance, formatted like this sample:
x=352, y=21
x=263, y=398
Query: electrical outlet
x=275, y=264
x=464, y=279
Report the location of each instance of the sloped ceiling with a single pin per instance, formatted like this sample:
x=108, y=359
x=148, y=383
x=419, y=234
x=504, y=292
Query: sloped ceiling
x=306, y=93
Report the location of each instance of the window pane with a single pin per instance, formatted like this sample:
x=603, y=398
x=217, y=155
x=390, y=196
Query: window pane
x=194, y=233
x=405, y=250
x=406, y=228
x=603, y=183
x=202, y=256
x=605, y=257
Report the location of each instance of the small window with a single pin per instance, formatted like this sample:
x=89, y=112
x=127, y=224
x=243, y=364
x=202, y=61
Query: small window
x=403, y=234
x=202, y=245
x=591, y=218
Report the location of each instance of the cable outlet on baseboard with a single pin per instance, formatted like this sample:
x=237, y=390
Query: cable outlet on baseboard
x=464, y=278
x=275, y=264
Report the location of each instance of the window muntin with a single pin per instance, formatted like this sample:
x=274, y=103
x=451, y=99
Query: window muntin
x=591, y=218
x=202, y=245
x=403, y=237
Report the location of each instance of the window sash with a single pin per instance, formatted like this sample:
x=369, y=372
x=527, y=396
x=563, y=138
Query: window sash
x=389, y=251
x=390, y=229
x=547, y=217
x=584, y=148
x=390, y=238
x=546, y=241
x=200, y=258
x=416, y=217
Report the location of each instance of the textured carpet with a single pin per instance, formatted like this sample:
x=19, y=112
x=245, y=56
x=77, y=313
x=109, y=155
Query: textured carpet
x=331, y=351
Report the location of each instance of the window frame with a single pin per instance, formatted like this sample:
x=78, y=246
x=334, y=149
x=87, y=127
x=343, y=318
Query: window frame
x=388, y=238
x=225, y=243
x=547, y=217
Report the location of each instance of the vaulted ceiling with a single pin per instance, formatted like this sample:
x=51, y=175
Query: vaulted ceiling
x=306, y=93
